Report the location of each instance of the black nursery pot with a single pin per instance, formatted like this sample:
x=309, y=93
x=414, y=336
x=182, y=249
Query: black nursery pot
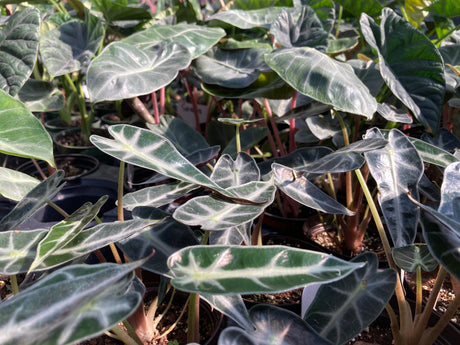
x=72, y=197
x=75, y=166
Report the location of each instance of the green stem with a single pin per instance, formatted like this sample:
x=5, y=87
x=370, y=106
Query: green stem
x=14, y=284
x=339, y=18
x=443, y=37
x=238, y=139
x=58, y=209
x=193, y=334
x=121, y=178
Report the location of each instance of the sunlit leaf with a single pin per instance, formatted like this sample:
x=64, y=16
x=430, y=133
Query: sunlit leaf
x=397, y=168
x=252, y=269
x=324, y=79
x=15, y=184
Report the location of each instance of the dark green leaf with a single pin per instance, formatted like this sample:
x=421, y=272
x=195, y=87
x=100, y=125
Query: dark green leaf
x=18, y=49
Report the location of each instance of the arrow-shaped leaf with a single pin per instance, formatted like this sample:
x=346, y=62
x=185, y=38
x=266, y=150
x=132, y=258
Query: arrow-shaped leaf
x=70, y=305
x=35, y=199
x=299, y=188
x=397, y=168
x=63, y=232
x=144, y=148
x=252, y=269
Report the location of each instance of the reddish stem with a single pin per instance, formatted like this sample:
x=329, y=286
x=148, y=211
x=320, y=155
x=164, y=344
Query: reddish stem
x=191, y=94
x=156, y=113
x=274, y=128
x=292, y=128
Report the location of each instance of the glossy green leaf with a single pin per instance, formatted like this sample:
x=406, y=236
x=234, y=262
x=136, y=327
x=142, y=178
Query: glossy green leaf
x=94, y=238
x=389, y=113
x=397, y=169
x=324, y=79
x=262, y=17
x=15, y=184
x=185, y=138
x=18, y=249
x=450, y=192
x=344, y=159
x=18, y=49
x=213, y=213
x=232, y=236
x=298, y=187
x=119, y=10
x=71, y=46
x=21, y=133
x=33, y=200
x=231, y=68
x=268, y=85
x=429, y=152
x=371, y=7
x=157, y=196
x=228, y=172
x=39, y=95
x=252, y=269
x=273, y=325
x=163, y=239
x=302, y=29
x=70, y=305
x=65, y=231
x=296, y=159
x=344, y=308
x=369, y=73
x=124, y=71
x=144, y=148
x=342, y=45
x=410, y=257
x=445, y=8
x=410, y=65
x=442, y=235
x=197, y=39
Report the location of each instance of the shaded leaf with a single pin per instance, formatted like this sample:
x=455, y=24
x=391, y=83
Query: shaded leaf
x=273, y=325
x=410, y=257
x=231, y=68
x=39, y=95
x=33, y=200
x=344, y=308
x=410, y=65
x=294, y=184
x=164, y=238
x=302, y=29
x=70, y=305
x=18, y=49
x=71, y=46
